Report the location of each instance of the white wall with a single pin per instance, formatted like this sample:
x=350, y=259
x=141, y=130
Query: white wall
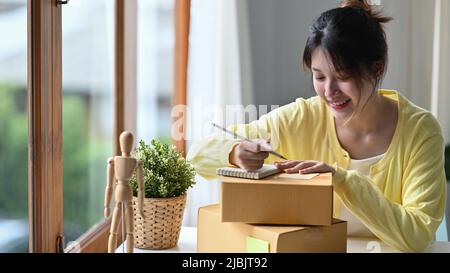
x=279, y=29
x=410, y=40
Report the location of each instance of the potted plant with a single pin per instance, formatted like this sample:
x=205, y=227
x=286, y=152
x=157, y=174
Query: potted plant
x=167, y=177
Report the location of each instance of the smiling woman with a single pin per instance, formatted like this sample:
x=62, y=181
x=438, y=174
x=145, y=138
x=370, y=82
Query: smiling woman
x=385, y=153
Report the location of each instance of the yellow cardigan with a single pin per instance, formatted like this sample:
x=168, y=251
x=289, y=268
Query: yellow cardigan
x=402, y=201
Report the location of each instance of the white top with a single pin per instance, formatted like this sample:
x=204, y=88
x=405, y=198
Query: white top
x=354, y=226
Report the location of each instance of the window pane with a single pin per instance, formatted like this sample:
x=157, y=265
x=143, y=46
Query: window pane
x=13, y=127
x=155, y=68
x=88, y=67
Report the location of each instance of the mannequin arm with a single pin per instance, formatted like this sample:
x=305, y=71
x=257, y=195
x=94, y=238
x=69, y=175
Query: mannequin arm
x=140, y=182
x=109, y=185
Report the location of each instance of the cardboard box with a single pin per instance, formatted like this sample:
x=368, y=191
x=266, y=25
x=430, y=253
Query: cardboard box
x=216, y=236
x=278, y=200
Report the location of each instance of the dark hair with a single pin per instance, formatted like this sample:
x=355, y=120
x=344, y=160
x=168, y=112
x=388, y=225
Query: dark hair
x=353, y=38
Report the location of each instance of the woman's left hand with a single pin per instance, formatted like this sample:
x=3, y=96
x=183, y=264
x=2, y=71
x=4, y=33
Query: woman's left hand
x=304, y=166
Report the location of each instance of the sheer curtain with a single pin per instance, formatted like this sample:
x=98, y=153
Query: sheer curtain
x=214, y=83
x=440, y=91
x=419, y=64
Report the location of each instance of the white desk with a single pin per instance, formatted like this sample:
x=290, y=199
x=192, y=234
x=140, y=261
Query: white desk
x=188, y=244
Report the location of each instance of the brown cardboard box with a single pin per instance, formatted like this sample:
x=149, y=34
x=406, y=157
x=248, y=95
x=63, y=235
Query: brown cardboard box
x=278, y=200
x=216, y=236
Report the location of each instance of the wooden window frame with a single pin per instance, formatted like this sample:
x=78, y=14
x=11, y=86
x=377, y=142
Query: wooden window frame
x=45, y=179
x=126, y=69
x=182, y=26
x=45, y=201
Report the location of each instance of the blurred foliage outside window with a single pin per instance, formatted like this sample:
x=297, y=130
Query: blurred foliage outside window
x=88, y=69
x=13, y=127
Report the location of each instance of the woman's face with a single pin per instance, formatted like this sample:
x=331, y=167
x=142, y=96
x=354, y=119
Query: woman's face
x=338, y=90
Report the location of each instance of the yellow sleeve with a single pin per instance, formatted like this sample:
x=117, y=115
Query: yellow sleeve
x=409, y=226
x=209, y=154
x=213, y=152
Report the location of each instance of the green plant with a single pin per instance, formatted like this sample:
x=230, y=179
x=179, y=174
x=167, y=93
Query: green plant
x=166, y=172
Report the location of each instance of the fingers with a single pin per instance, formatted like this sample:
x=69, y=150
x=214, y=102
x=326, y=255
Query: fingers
x=256, y=146
x=304, y=167
x=250, y=155
x=283, y=165
x=295, y=166
x=320, y=167
x=301, y=166
x=254, y=156
x=252, y=166
x=245, y=159
x=264, y=145
x=309, y=170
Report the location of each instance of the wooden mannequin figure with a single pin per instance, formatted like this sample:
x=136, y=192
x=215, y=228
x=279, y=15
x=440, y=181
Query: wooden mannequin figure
x=121, y=169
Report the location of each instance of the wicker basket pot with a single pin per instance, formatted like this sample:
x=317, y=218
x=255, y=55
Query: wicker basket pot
x=160, y=227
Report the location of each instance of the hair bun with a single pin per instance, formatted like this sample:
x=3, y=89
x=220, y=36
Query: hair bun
x=364, y=5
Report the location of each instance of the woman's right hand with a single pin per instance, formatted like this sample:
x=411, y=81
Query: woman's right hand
x=250, y=156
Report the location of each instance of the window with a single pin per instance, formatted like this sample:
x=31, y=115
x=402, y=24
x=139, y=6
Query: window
x=13, y=127
x=88, y=73
x=65, y=83
x=155, y=51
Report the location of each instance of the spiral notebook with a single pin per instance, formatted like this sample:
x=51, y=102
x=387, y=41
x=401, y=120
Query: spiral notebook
x=265, y=171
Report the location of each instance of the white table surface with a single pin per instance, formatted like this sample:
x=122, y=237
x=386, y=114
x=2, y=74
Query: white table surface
x=188, y=244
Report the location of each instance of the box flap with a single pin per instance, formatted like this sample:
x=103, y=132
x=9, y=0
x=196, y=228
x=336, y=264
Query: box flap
x=336, y=221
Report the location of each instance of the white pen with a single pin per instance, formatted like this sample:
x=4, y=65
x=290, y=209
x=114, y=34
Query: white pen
x=246, y=139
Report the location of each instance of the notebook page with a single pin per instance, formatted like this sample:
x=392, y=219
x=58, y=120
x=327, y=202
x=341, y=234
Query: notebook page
x=265, y=171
